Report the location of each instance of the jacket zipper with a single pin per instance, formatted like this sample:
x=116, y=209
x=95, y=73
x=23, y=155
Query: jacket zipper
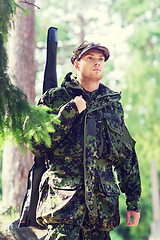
x=85, y=141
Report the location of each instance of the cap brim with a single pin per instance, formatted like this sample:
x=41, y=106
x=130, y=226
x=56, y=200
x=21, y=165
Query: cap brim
x=101, y=48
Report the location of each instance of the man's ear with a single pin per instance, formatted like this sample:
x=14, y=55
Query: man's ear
x=76, y=65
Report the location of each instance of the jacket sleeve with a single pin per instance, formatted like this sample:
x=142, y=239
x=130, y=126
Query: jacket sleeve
x=128, y=172
x=65, y=112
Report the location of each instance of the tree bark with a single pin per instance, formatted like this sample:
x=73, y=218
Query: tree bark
x=21, y=46
x=81, y=25
x=155, y=192
x=80, y=21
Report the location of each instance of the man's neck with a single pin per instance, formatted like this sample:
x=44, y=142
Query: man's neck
x=89, y=86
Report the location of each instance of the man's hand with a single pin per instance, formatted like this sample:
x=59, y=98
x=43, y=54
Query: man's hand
x=136, y=217
x=80, y=103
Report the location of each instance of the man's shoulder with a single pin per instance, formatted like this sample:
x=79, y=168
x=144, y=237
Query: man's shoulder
x=108, y=91
x=58, y=92
x=55, y=91
x=55, y=97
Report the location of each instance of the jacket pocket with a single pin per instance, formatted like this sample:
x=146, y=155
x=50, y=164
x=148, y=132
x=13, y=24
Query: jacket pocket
x=114, y=131
x=55, y=193
x=110, y=189
x=58, y=177
x=109, y=205
x=109, y=192
x=114, y=126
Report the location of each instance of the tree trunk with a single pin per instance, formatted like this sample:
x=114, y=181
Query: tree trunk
x=21, y=46
x=81, y=25
x=80, y=20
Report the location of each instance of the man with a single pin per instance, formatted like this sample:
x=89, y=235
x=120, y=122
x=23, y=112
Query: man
x=78, y=193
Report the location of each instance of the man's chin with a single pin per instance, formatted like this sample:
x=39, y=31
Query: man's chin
x=98, y=76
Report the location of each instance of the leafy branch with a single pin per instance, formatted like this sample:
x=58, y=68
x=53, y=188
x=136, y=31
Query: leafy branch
x=30, y=4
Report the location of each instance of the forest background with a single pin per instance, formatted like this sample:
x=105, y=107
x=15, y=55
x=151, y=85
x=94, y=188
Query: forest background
x=130, y=29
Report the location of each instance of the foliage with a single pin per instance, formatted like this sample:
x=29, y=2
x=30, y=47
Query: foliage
x=0, y=175
x=116, y=235
x=43, y=129
x=14, y=107
x=7, y=10
x=7, y=216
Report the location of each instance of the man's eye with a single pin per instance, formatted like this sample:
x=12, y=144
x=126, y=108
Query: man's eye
x=101, y=59
x=90, y=58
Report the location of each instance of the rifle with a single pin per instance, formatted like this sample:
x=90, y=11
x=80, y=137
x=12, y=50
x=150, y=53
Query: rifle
x=50, y=74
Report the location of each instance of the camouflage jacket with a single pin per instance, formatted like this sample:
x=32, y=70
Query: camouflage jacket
x=86, y=148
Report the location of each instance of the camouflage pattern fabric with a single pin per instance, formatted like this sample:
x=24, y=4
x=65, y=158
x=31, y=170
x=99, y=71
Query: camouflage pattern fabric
x=86, y=148
x=68, y=232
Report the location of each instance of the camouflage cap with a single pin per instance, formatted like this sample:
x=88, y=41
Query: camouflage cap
x=85, y=46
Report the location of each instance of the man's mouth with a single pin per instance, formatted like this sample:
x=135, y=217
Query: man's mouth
x=96, y=69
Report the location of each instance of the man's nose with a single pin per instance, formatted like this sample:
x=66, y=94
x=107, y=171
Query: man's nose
x=97, y=62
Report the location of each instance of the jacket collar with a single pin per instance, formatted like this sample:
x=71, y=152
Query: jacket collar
x=73, y=86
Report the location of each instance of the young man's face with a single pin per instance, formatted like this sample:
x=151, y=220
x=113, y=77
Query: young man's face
x=91, y=65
